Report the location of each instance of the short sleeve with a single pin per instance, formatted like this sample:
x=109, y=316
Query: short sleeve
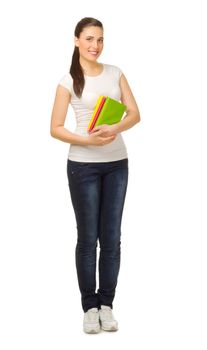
x=67, y=82
x=119, y=72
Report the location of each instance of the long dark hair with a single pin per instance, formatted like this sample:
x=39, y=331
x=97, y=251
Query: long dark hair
x=76, y=70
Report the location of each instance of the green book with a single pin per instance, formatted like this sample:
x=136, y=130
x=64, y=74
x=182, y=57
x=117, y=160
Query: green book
x=107, y=111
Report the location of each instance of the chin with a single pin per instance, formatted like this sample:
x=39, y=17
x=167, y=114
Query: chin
x=92, y=59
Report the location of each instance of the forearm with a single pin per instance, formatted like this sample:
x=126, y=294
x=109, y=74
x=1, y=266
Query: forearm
x=65, y=135
x=128, y=122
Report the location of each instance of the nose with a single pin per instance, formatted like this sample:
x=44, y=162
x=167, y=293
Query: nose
x=95, y=44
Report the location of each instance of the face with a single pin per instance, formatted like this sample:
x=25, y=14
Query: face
x=90, y=43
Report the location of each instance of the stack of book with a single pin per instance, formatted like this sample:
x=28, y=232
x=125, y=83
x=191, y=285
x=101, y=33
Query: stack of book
x=106, y=111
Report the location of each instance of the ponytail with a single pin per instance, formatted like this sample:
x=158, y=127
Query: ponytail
x=77, y=73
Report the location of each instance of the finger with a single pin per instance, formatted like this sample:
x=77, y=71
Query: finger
x=108, y=139
x=97, y=132
x=97, y=128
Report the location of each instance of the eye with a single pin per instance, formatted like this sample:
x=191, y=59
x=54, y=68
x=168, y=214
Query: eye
x=100, y=40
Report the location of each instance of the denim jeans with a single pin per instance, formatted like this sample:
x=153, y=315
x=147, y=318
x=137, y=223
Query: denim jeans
x=97, y=193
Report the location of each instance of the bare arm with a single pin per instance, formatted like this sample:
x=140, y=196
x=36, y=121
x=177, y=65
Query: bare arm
x=59, y=112
x=57, y=129
x=132, y=114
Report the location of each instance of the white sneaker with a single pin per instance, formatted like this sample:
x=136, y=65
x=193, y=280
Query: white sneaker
x=91, y=321
x=108, y=323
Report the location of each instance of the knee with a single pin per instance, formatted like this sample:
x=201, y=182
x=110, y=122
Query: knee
x=86, y=247
x=111, y=250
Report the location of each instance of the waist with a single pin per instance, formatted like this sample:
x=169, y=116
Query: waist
x=116, y=150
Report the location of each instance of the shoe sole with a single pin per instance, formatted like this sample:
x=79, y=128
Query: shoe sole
x=92, y=331
x=110, y=329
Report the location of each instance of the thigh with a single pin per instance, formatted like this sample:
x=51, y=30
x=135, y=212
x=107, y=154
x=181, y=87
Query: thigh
x=85, y=190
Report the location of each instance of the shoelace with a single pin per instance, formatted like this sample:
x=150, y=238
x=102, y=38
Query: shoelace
x=93, y=314
x=107, y=314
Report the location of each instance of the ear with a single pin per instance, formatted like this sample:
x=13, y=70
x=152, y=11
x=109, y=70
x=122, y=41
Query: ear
x=76, y=42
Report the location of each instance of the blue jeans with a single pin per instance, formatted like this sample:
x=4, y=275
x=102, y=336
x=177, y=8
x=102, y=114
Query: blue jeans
x=97, y=193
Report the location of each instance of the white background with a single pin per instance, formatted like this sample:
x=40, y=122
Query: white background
x=161, y=294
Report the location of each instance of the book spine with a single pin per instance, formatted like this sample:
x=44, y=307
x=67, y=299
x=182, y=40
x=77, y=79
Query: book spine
x=98, y=122
x=100, y=107
x=95, y=111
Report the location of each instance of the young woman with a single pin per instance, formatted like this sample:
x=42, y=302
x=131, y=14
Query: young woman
x=97, y=170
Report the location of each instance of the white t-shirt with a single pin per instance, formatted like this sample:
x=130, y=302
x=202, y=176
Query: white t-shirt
x=107, y=84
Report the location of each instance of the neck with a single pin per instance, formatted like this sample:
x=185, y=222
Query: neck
x=89, y=66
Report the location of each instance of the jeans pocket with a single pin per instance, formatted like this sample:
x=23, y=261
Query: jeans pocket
x=76, y=168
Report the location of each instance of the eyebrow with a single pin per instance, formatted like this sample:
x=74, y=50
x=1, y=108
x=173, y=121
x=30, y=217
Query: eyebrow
x=90, y=36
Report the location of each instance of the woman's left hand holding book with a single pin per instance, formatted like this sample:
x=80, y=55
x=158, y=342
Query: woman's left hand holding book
x=107, y=130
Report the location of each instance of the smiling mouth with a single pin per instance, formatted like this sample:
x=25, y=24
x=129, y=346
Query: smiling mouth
x=93, y=52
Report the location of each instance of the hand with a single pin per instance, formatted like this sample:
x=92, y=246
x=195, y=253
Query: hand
x=106, y=130
x=96, y=137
